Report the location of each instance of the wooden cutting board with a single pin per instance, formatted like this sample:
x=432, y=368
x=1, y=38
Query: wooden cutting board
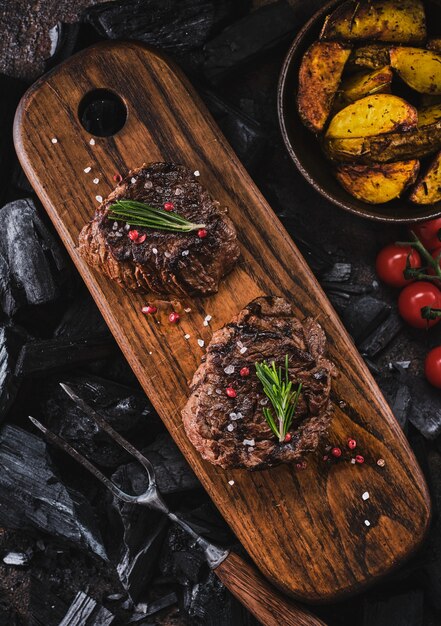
x=306, y=530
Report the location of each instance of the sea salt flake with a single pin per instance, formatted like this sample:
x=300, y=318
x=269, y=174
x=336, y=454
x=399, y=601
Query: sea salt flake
x=250, y=449
x=207, y=319
x=187, y=310
x=185, y=252
x=239, y=344
x=248, y=442
x=115, y=226
x=187, y=337
x=239, y=416
x=96, y=181
x=155, y=250
x=148, y=184
x=367, y=522
x=230, y=427
x=219, y=392
x=229, y=369
x=201, y=342
x=54, y=140
x=243, y=350
x=231, y=482
x=133, y=180
x=264, y=402
x=178, y=191
x=353, y=461
x=197, y=173
x=99, y=198
x=167, y=255
x=87, y=170
x=233, y=416
x=92, y=142
x=209, y=392
x=365, y=496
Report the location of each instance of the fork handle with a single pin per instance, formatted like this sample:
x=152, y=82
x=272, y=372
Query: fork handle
x=264, y=601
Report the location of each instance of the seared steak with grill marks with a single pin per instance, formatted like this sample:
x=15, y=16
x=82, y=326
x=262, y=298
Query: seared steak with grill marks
x=233, y=432
x=166, y=262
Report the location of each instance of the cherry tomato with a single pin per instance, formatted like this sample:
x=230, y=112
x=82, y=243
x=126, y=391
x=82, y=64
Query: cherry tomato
x=416, y=296
x=428, y=233
x=391, y=263
x=432, y=367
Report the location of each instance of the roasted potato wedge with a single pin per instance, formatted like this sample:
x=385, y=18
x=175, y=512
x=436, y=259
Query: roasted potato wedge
x=319, y=79
x=434, y=44
x=371, y=57
x=420, y=69
x=396, y=146
x=364, y=84
x=378, y=183
x=428, y=188
x=371, y=116
x=394, y=21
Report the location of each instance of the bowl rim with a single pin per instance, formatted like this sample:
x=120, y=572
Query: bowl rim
x=430, y=212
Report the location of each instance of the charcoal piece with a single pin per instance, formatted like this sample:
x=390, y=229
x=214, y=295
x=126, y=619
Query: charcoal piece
x=382, y=336
x=31, y=33
x=152, y=608
x=364, y=316
x=31, y=261
x=245, y=135
x=339, y=273
x=11, y=341
x=181, y=558
x=136, y=539
x=82, y=319
x=84, y=611
x=249, y=38
x=404, y=609
x=348, y=289
x=208, y=522
x=127, y=410
x=169, y=24
x=401, y=405
x=318, y=260
x=48, y=355
x=173, y=474
x=41, y=502
x=425, y=409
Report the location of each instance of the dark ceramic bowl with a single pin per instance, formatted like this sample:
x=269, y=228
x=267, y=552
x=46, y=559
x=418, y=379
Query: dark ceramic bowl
x=305, y=150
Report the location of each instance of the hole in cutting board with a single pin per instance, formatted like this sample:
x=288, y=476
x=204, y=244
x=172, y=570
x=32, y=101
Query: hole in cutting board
x=102, y=113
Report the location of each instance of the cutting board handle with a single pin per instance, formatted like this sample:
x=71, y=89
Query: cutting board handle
x=264, y=601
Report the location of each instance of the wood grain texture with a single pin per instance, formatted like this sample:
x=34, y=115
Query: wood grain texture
x=251, y=589
x=305, y=530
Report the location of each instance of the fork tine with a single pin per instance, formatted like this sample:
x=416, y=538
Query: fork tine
x=102, y=423
x=63, y=445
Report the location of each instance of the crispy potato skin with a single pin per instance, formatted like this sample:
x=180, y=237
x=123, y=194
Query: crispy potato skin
x=376, y=184
x=394, y=21
x=370, y=57
x=434, y=44
x=396, y=146
x=428, y=188
x=319, y=78
x=420, y=69
x=371, y=116
x=364, y=84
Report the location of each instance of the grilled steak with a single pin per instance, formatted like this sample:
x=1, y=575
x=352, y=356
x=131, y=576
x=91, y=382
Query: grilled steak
x=233, y=432
x=166, y=262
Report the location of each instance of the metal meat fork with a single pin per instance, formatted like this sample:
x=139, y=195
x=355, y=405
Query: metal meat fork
x=266, y=603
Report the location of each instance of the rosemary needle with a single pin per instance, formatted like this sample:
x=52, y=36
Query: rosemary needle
x=140, y=214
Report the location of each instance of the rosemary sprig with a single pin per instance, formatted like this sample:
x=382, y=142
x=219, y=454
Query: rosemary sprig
x=279, y=390
x=140, y=214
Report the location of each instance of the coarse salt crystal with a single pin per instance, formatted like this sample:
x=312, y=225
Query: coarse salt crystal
x=229, y=369
x=187, y=310
x=231, y=482
x=239, y=344
x=239, y=416
x=367, y=522
x=115, y=226
x=133, y=180
x=248, y=442
x=167, y=255
x=92, y=142
x=219, y=392
x=250, y=449
x=148, y=184
x=155, y=250
x=233, y=416
x=201, y=342
x=87, y=170
x=96, y=181
x=178, y=191
x=197, y=173
x=243, y=350
x=54, y=140
x=264, y=402
x=230, y=427
x=209, y=392
x=207, y=320
x=99, y=198
x=365, y=496
x=353, y=461
x=185, y=252
x=187, y=337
